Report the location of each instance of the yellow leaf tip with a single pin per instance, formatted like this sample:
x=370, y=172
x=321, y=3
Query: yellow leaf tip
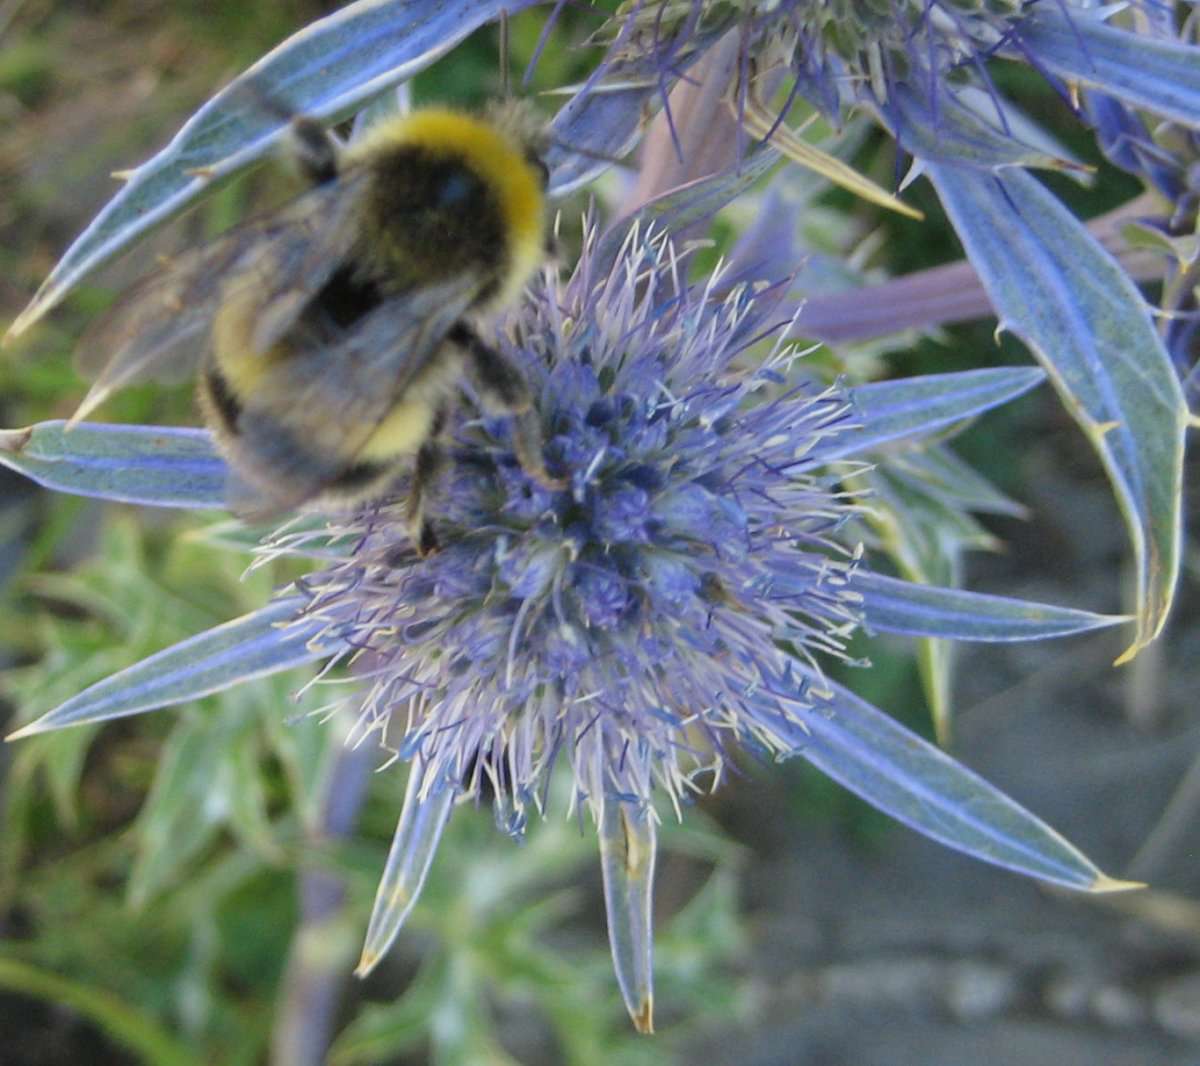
x=1105, y=884
x=1129, y=654
x=25, y=731
x=13, y=441
x=26, y=318
x=643, y=1017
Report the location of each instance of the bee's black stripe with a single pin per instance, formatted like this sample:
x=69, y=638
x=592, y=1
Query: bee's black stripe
x=347, y=298
x=282, y=450
x=225, y=404
x=500, y=381
x=360, y=475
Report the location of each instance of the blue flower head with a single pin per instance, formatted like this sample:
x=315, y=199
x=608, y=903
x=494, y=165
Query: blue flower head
x=620, y=622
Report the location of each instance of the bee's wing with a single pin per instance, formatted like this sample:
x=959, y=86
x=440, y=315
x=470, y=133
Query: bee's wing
x=315, y=411
x=159, y=329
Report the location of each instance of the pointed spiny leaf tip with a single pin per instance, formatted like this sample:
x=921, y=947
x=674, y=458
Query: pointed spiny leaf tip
x=30, y=730
x=366, y=964
x=1104, y=885
x=13, y=441
x=643, y=1017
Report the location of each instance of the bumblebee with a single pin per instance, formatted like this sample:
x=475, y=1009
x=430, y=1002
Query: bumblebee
x=330, y=339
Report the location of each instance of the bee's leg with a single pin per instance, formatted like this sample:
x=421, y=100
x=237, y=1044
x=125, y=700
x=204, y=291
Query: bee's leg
x=502, y=391
x=315, y=150
x=527, y=443
x=430, y=461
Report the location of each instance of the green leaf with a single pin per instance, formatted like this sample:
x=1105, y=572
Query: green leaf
x=129, y=1027
x=187, y=804
x=380, y=1032
x=946, y=478
x=1054, y=286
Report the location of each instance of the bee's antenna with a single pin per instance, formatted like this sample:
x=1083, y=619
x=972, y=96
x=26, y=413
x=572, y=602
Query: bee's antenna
x=505, y=85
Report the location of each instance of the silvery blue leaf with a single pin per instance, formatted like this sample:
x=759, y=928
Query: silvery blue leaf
x=895, y=606
x=1053, y=285
x=153, y=465
x=628, y=846
x=255, y=645
x=914, y=782
x=888, y=411
x=1161, y=76
x=943, y=128
x=423, y=819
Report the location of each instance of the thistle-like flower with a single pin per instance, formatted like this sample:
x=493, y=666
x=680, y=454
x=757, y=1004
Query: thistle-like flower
x=635, y=622
x=669, y=604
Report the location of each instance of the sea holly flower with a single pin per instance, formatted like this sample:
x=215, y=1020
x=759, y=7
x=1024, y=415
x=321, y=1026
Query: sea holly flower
x=676, y=601
x=672, y=604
